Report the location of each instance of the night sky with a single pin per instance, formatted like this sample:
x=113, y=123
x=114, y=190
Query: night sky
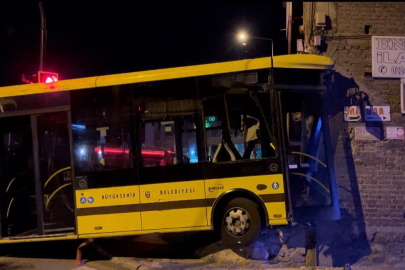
x=98, y=38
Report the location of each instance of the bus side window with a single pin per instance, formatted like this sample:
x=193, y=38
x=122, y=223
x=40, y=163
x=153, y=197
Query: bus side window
x=169, y=142
x=158, y=145
x=189, y=141
x=234, y=133
x=242, y=143
x=101, y=130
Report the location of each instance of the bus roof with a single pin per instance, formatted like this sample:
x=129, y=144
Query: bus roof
x=292, y=61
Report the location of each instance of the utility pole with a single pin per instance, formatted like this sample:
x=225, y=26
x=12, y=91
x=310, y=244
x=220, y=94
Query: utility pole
x=289, y=24
x=42, y=54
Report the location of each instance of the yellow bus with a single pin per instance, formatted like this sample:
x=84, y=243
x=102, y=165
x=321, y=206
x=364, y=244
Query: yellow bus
x=205, y=147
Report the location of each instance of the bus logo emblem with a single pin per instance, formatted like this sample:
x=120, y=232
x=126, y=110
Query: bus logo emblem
x=216, y=188
x=82, y=200
x=275, y=185
x=147, y=194
x=90, y=200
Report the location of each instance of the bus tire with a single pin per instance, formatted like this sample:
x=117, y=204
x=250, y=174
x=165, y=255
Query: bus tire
x=241, y=223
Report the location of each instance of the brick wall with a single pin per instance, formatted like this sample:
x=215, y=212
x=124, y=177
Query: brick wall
x=370, y=174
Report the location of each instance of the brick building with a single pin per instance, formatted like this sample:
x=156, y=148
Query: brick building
x=370, y=174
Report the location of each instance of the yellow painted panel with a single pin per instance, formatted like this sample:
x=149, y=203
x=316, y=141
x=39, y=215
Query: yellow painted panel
x=112, y=234
x=39, y=88
x=175, y=191
x=300, y=61
x=109, y=223
x=278, y=222
x=303, y=61
x=276, y=208
x=173, y=195
x=176, y=218
x=107, y=196
x=215, y=187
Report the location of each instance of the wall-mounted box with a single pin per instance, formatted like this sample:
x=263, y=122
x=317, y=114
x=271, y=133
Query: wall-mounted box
x=320, y=19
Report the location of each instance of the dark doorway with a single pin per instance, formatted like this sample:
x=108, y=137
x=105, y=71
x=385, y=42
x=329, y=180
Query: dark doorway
x=16, y=176
x=55, y=172
x=35, y=175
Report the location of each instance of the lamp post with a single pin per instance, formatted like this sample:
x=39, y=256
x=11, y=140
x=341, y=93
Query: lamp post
x=42, y=53
x=43, y=37
x=243, y=37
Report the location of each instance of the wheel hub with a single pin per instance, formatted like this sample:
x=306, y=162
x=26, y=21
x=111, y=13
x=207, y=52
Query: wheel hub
x=237, y=221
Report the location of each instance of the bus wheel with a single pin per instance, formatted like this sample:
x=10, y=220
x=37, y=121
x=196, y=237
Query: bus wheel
x=241, y=222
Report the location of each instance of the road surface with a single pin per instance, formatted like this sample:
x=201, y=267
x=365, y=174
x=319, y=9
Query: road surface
x=169, y=251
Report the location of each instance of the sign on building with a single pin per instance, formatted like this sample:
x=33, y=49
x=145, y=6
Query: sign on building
x=388, y=56
x=352, y=113
x=378, y=113
x=395, y=133
x=367, y=133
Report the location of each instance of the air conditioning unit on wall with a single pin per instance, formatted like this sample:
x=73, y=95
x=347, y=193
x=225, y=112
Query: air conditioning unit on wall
x=320, y=19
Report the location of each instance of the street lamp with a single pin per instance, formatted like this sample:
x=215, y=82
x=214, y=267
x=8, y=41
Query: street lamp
x=243, y=37
x=42, y=53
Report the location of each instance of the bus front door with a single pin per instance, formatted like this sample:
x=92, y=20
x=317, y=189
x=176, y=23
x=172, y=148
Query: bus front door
x=35, y=182
x=54, y=164
x=16, y=176
x=310, y=159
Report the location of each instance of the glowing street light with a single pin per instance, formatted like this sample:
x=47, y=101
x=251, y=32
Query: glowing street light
x=242, y=36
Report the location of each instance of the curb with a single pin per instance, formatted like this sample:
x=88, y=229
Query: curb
x=194, y=264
